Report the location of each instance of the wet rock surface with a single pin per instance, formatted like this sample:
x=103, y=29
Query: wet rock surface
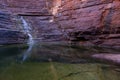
x=37, y=14
x=10, y=33
x=43, y=29
x=12, y=37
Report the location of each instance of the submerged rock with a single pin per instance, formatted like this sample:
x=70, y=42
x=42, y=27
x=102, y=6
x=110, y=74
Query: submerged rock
x=112, y=58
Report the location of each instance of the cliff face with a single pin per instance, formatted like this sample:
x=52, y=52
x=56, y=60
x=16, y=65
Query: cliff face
x=10, y=33
x=91, y=22
x=23, y=6
x=37, y=15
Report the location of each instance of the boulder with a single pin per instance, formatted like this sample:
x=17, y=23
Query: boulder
x=112, y=58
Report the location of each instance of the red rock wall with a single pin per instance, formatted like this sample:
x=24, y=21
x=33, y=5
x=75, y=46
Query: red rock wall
x=37, y=14
x=84, y=14
x=94, y=21
x=88, y=20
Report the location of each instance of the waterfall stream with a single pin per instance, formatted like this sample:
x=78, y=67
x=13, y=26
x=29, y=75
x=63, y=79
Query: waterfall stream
x=30, y=42
x=27, y=29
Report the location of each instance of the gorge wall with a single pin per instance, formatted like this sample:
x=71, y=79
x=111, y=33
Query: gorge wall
x=89, y=22
x=10, y=33
x=37, y=14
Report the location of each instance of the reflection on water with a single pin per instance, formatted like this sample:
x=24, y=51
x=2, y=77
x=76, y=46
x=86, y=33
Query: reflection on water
x=54, y=61
x=27, y=52
x=30, y=41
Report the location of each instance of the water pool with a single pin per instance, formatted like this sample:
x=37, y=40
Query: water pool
x=54, y=61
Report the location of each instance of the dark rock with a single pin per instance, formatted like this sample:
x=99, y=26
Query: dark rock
x=84, y=21
x=12, y=37
x=9, y=31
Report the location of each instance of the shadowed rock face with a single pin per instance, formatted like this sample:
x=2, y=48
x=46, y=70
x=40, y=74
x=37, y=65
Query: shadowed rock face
x=10, y=33
x=90, y=22
x=12, y=37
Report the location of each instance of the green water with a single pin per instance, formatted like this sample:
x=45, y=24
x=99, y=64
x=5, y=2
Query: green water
x=54, y=61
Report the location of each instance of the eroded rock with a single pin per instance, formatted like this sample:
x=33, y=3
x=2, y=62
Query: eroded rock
x=113, y=58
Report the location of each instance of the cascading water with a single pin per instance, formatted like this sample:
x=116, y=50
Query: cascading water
x=30, y=40
x=27, y=30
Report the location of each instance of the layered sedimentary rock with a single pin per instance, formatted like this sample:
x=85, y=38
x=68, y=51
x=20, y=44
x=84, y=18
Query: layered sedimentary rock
x=43, y=29
x=91, y=22
x=10, y=33
x=37, y=14
x=23, y=6
x=12, y=37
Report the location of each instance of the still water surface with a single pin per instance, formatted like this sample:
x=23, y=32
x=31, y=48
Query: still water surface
x=54, y=61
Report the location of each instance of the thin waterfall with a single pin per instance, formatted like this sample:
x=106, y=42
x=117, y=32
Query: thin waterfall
x=27, y=29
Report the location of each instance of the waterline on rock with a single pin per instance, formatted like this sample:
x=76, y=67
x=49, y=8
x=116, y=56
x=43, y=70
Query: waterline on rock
x=30, y=40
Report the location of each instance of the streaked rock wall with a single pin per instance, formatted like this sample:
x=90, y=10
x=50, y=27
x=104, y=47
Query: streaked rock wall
x=90, y=22
x=10, y=33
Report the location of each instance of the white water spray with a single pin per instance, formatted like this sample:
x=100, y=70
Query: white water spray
x=30, y=40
